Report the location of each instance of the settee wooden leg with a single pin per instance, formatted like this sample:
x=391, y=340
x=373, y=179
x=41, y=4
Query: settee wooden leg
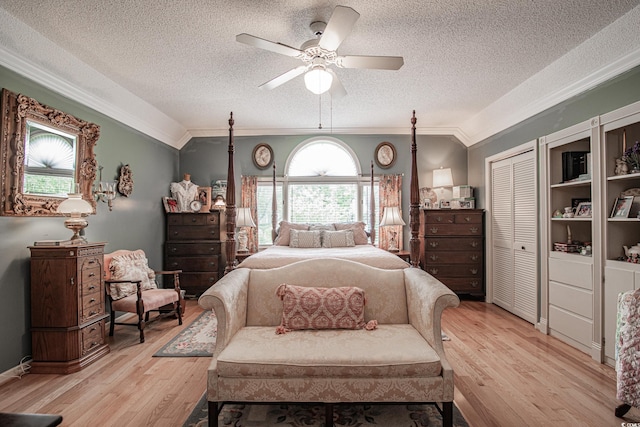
x=328, y=414
x=447, y=414
x=214, y=412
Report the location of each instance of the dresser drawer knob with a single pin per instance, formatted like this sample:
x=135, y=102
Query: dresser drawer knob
x=434, y=257
x=92, y=287
x=193, y=219
x=173, y=249
x=474, y=257
x=175, y=233
x=439, y=218
x=433, y=244
x=474, y=229
x=174, y=264
x=473, y=270
x=93, y=329
x=93, y=344
x=474, y=284
x=93, y=313
x=92, y=300
x=92, y=274
x=211, y=280
x=433, y=270
x=434, y=230
x=474, y=244
x=467, y=218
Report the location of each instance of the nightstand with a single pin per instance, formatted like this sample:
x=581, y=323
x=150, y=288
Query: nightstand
x=405, y=255
x=241, y=256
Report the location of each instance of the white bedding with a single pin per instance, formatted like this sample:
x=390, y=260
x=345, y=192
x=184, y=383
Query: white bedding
x=277, y=256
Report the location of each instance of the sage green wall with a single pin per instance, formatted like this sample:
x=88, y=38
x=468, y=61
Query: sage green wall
x=135, y=222
x=206, y=158
x=611, y=95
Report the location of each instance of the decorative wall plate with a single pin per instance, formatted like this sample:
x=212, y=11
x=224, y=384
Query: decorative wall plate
x=385, y=155
x=125, y=182
x=262, y=156
x=195, y=205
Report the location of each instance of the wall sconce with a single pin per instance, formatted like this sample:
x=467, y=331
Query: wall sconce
x=442, y=178
x=243, y=219
x=391, y=217
x=75, y=208
x=105, y=191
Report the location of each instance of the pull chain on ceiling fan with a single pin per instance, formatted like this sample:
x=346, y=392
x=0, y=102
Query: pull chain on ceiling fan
x=320, y=53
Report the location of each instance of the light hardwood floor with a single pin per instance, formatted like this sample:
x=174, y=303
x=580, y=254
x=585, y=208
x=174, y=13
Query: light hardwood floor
x=506, y=374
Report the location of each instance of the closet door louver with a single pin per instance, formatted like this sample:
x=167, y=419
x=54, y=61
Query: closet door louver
x=514, y=234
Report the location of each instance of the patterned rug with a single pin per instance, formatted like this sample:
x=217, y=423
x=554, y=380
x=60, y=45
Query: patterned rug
x=310, y=415
x=197, y=339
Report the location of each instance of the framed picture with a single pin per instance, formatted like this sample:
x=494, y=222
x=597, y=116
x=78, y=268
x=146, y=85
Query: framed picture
x=426, y=204
x=622, y=207
x=575, y=202
x=385, y=155
x=262, y=156
x=583, y=210
x=204, y=196
x=467, y=204
x=445, y=204
x=170, y=204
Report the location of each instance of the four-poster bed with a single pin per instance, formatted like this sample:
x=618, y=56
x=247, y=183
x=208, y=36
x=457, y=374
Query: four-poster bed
x=282, y=255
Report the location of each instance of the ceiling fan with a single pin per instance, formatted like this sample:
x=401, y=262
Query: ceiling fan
x=318, y=53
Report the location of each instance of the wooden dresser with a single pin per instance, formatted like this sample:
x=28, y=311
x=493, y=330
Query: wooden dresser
x=453, y=248
x=193, y=245
x=67, y=307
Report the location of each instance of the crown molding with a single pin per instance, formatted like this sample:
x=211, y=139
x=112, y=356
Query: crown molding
x=148, y=119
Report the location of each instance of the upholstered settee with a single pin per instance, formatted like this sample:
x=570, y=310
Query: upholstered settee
x=402, y=360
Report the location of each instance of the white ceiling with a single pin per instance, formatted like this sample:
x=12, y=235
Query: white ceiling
x=173, y=70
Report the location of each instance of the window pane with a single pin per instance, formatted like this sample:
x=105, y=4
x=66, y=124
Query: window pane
x=264, y=201
x=322, y=158
x=323, y=203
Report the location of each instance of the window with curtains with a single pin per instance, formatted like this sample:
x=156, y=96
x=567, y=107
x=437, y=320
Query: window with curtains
x=322, y=183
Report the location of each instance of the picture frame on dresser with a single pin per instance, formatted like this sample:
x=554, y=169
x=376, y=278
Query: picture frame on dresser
x=204, y=195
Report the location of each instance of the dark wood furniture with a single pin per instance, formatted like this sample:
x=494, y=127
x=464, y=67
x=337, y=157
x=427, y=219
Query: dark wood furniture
x=453, y=248
x=193, y=245
x=67, y=307
x=241, y=256
x=404, y=255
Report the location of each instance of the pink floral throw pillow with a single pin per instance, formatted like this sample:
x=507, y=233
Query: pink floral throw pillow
x=321, y=308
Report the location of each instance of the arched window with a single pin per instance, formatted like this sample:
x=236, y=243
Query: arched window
x=322, y=184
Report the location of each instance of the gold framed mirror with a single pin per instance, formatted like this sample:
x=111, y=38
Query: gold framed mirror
x=45, y=154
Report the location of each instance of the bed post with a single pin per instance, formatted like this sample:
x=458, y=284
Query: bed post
x=230, y=212
x=414, y=210
x=274, y=207
x=372, y=210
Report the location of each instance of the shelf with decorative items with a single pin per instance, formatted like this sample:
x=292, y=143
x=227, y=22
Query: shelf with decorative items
x=621, y=208
x=571, y=235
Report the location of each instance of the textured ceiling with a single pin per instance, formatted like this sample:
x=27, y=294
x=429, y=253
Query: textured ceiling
x=173, y=68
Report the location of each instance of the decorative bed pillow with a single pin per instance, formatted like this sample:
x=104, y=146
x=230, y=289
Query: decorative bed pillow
x=320, y=308
x=337, y=239
x=322, y=227
x=359, y=235
x=131, y=266
x=284, y=232
x=305, y=239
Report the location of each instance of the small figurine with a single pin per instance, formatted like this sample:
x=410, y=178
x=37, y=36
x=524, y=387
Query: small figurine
x=621, y=167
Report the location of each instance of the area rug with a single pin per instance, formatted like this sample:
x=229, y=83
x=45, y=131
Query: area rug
x=196, y=340
x=312, y=415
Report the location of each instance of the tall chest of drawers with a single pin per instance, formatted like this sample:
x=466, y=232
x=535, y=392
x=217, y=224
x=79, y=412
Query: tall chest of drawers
x=453, y=248
x=193, y=245
x=67, y=307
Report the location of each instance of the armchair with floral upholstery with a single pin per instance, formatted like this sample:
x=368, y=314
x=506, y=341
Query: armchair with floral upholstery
x=131, y=287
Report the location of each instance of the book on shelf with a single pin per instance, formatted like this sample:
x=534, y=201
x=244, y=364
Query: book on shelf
x=57, y=242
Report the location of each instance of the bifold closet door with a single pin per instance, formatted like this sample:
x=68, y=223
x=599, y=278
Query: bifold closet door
x=514, y=235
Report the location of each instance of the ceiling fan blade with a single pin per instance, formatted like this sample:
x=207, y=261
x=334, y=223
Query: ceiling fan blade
x=283, y=78
x=337, y=91
x=338, y=28
x=268, y=45
x=373, y=62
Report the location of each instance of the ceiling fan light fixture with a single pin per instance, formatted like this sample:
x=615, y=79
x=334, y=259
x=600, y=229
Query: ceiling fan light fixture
x=318, y=80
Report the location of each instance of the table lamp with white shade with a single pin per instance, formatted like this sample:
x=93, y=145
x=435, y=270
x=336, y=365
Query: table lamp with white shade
x=442, y=178
x=243, y=219
x=391, y=217
x=75, y=208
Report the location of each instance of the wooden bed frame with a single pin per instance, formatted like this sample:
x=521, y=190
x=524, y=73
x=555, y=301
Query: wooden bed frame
x=414, y=208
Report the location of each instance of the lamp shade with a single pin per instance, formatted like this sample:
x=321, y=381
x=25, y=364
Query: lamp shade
x=75, y=205
x=318, y=80
x=243, y=218
x=391, y=216
x=442, y=177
